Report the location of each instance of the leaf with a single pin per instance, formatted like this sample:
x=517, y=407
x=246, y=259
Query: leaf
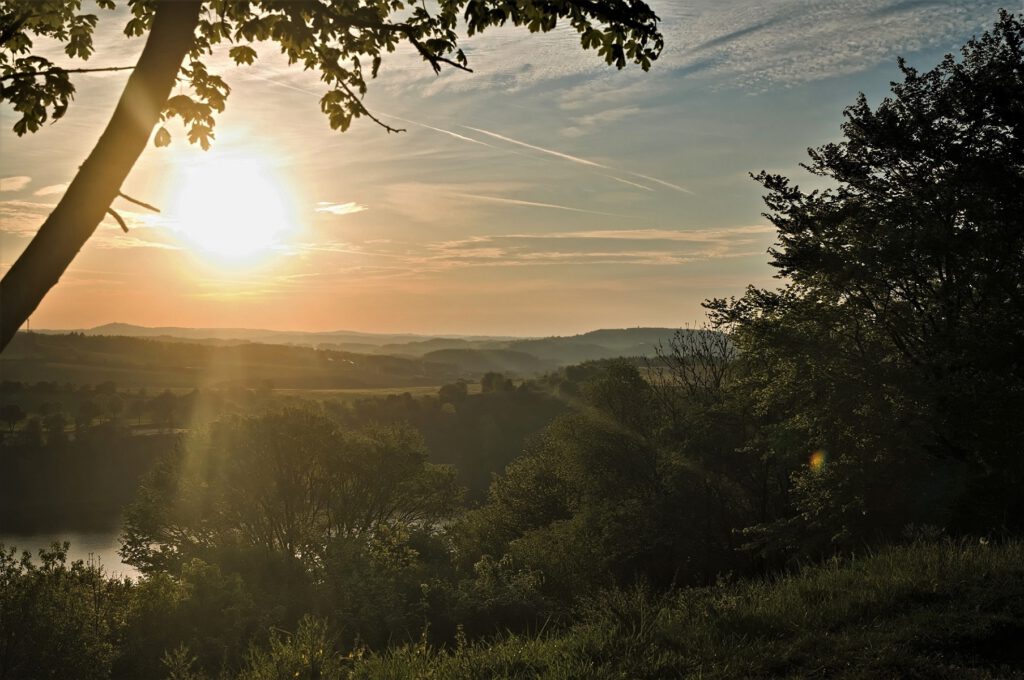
x=162, y=137
x=134, y=27
x=242, y=54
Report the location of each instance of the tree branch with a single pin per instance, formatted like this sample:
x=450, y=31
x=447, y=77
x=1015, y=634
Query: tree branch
x=435, y=60
x=120, y=220
x=56, y=70
x=97, y=184
x=11, y=29
x=138, y=202
x=366, y=112
x=409, y=31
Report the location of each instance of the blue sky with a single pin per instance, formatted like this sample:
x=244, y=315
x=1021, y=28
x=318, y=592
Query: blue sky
x=543, y=194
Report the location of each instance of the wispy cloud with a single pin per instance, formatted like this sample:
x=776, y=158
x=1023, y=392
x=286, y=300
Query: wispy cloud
x=15, y=183
x=731, y=43
x=603, y=117
x=689, y=235
x=659, y=247
x=593, y=122
x=339, y=208
x=22, y=217
x=51, y=189
x=630, y=247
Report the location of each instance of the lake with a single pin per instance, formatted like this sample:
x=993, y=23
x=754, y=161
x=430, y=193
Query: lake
x=101, y=546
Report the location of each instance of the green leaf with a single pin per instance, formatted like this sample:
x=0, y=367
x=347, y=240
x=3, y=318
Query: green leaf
x=242, y=54
x=134, y=27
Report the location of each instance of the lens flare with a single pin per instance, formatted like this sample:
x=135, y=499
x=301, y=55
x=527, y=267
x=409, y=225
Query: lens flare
x=818, y=460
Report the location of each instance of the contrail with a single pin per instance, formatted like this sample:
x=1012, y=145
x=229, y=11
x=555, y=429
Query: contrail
x=456, y=135
x=661, y=182
x=574, y=159
x=464, y=138
x=626, y=181
x=582, y=161
x=535, y=204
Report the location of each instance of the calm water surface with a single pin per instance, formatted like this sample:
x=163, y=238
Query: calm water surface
x=97, y=546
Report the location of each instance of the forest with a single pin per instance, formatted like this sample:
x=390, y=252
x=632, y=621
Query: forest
x=824, y=482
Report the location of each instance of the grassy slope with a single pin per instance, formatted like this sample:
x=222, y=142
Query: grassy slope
x=930, y=610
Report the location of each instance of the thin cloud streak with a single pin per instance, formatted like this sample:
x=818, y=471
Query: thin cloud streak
x=651, y=234
x=626, y=181
x=456, y=135
x=581, y=161
x=559, y=154
x=535, y=204
x=583, y=248
x=662, y=182
x=340, y=208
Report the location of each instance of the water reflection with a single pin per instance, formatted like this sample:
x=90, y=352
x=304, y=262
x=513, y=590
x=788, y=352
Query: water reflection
x=96, y=546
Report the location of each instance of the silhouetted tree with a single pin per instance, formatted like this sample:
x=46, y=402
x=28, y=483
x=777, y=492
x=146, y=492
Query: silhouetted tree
x=88, y=411
x=453, y=393
x=56, y=424
x=137, y=408
x=896, y=345
x=164, y=406
x=12, y=414
x=32, y=433
x=495, y=382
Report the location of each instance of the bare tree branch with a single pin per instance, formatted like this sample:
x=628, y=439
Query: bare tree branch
x=120, y=220
x=138, y=202
x=57, y=70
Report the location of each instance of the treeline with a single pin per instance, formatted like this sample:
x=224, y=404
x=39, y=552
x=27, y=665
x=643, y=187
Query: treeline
x=478, y=434
x=144, y=362
x=38, y=413
x=72, y=456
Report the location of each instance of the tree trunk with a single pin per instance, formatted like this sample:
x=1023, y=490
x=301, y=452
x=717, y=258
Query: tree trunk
x=99, y=179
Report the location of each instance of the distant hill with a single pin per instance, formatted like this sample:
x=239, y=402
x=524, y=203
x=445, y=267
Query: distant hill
x=174, y=356
x=158, y=363
x=249, y=335
x=478, y=361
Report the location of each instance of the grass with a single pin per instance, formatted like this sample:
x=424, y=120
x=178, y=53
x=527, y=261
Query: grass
x=926, y=610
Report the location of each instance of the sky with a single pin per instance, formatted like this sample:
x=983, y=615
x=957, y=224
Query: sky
x=543, y=194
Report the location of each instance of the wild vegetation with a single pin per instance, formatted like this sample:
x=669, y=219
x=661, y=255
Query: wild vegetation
x=826, y=483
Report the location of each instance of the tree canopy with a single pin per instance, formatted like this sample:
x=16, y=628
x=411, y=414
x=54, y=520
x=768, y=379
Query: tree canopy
x=344, y=41
x=896, y=342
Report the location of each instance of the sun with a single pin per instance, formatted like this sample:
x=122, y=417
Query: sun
x=232, y=208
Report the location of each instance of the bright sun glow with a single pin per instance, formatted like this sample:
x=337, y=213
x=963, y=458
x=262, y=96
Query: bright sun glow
x=234, y=209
